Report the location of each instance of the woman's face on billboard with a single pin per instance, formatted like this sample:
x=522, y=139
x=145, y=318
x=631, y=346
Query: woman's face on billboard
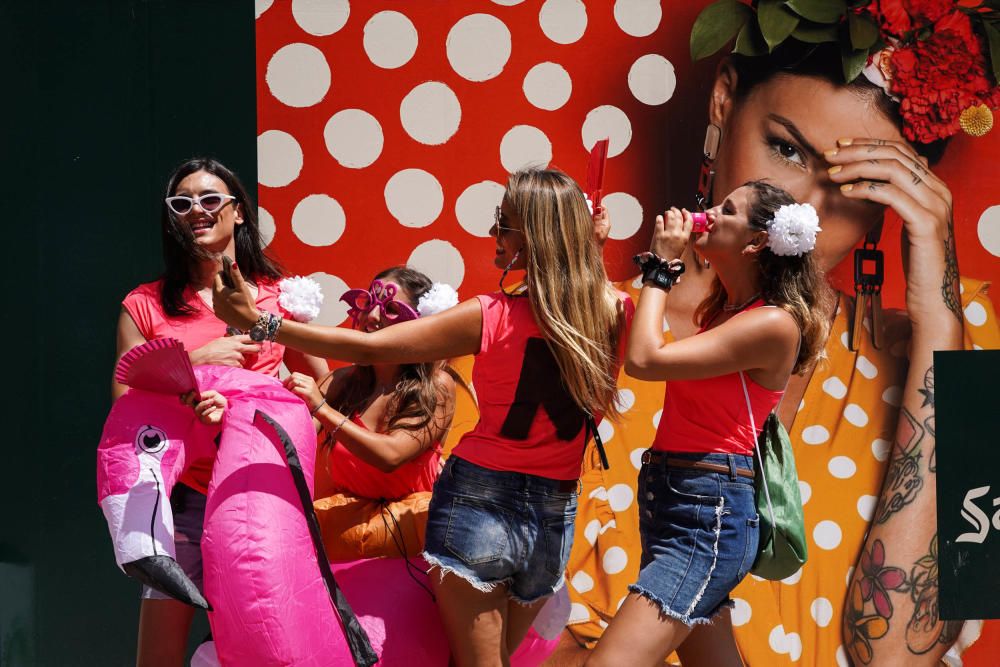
x=780, y=131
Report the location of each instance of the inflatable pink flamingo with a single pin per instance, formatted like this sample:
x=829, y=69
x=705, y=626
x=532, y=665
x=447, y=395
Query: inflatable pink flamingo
x=272, y=595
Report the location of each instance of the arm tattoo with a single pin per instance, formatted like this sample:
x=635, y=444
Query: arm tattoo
x=948, y=290
x=928, y=393
x=904, y=479
x=925, y=629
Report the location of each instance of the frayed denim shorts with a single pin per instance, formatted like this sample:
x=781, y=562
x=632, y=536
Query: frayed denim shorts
x=495, y=528
x=188, y=507
x=699, y=532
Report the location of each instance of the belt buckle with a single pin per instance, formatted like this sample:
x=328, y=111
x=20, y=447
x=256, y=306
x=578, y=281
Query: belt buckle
x=647, y=457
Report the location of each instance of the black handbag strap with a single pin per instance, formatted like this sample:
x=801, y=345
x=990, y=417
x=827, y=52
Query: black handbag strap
x=590, y=428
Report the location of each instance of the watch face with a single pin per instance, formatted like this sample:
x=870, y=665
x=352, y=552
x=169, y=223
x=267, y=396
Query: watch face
x=258, y=333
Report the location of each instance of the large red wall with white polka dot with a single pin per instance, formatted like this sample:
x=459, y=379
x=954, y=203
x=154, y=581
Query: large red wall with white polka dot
x=386, y=130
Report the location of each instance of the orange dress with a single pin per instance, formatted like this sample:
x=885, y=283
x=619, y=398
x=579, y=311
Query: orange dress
x=841, y=435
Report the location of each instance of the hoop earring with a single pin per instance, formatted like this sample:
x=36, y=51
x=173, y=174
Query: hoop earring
x=869, y=274
x=706, y=175
x=506, y=270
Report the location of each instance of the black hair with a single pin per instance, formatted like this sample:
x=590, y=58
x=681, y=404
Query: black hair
x=181, y=253
x=820, y=61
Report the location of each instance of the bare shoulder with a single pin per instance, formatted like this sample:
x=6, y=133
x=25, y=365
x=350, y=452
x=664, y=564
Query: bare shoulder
x=768, y=323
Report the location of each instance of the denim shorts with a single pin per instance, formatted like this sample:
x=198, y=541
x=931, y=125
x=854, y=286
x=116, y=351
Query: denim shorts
x=188, y=507
x=699, y=532
x=494, y=528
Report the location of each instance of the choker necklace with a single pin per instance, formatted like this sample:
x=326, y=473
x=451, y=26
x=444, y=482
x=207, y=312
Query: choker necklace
x=740, y=306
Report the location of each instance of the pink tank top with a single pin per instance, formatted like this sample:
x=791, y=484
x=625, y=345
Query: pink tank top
x=710, y=415
x=358, y=478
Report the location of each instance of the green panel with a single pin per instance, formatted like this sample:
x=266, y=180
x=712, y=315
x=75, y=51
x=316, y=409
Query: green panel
x=967, y=418
x=103, y=99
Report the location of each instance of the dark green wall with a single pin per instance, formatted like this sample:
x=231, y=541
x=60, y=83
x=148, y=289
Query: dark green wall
x=102, y=99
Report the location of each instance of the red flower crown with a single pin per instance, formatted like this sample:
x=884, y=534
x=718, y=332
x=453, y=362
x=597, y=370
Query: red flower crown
x=928, y=55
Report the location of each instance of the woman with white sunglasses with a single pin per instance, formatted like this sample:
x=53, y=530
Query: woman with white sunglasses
x=206, y=215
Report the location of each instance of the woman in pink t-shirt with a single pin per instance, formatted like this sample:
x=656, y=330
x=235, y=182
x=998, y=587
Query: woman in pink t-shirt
x=206, y=214
x=501, y=518
x=698, y=520
x=381, y=425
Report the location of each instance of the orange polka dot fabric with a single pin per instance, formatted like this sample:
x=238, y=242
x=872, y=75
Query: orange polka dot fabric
x=841, y=436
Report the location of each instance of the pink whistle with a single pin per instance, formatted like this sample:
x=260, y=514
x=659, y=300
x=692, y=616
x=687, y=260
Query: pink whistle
x=700, y=222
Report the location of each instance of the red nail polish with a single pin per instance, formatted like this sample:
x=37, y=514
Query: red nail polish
x=236, y=266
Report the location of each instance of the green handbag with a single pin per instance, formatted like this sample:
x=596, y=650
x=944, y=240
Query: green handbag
x=782, y=548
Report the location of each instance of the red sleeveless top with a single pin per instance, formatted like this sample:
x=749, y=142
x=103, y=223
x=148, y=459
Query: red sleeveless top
x=710, y=415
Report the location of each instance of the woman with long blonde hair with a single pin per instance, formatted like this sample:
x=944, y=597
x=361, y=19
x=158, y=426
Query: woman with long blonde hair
x=501, y=518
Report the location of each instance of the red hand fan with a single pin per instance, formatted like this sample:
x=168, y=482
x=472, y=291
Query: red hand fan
x=595, y=171
x=161, y=365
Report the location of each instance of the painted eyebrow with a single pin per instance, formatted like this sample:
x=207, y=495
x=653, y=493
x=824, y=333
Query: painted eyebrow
x=796, y=134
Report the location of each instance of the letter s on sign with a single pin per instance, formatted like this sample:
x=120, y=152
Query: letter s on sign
x=975, y=516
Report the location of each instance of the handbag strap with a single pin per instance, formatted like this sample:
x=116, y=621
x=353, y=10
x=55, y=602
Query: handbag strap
x=756, y=449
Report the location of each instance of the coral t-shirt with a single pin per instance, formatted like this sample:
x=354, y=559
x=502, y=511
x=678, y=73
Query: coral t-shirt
x=710, y=414
x=528, y=421
x=358, y=478
x=144, y=306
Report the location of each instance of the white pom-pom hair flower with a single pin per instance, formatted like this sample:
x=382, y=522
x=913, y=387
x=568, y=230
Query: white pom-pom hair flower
x=792, y=231
x=439, y=297
x=301, y=297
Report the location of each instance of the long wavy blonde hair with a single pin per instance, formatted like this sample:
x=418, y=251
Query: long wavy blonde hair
x=573, y=303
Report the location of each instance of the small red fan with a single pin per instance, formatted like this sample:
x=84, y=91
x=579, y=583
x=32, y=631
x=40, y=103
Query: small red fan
x=161, y=365
x=595, y=171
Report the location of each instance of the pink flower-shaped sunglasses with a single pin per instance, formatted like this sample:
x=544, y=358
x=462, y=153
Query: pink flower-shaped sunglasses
x=378, y=295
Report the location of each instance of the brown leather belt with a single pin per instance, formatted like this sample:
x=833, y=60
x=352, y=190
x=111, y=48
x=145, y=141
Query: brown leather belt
x=664, y=459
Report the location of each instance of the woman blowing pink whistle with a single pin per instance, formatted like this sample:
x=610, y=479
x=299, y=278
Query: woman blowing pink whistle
x=501, y=518
x=698, y=520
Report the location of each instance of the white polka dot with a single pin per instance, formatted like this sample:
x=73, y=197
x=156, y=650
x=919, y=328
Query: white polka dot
x=321, y=17
x=988, y=230
x=866, y=367
x=880, y=449
x=841, y=657
x=845, y=340
x=626, y=214
x=601, y=622
x=563, y=21
x=822, y=611
x=615, y=560
x=835, y=387
x=578, y=613
x=741, y=612
x=975, y=314
x=855, y=415
x=636, y=457
x=582, y=582
x=793, y=578
x=783, y=643
x=656, y=418
x=354, y=138
x=606, y=430
x=866, y=506
x=976, y=346
x=815, y=435
x=805, y=490
x=298, y=75
x=625, y=400
x=524, y=146
x=333, y=312
x=592, y=530
x=547, y=86
x=961, y=288
x=620, y=496
x=850, y=573
x=652, y=79
x=390, y=40
x=265, y=223
x=261, y=6
x=414, y=197
x=637, y=282
x=508, y=3
x=600, y=493
x=318, y=220
x=279, y=159
x=430, y=113
x=476, y=207
x=440, y=260
x=842, y=467
x=638, y=17
x=893, y=396
x=802, y=404
x=621, y=602
x=478, y=47
x=607, y=121
x=827, y=535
